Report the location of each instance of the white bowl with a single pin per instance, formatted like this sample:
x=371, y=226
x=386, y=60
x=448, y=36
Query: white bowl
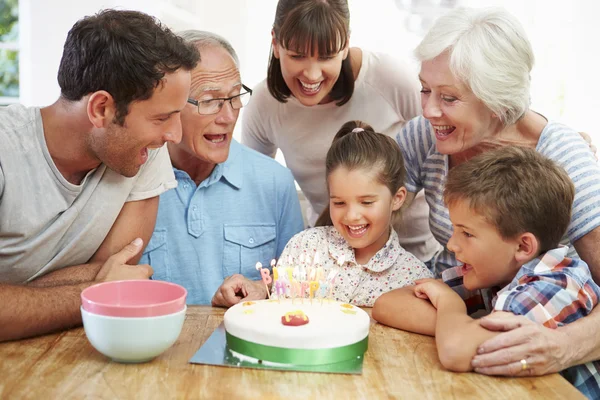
x=131, y=339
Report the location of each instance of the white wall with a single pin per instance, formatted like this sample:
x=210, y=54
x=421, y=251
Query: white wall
x=563, y=34
x=43, y=28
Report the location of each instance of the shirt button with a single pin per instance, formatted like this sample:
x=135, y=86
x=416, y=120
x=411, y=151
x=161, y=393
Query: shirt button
x=186, y=186
x=194, y=208
x=251, y=241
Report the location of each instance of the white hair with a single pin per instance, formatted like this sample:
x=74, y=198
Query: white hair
x=489, y=52
x=203, y=39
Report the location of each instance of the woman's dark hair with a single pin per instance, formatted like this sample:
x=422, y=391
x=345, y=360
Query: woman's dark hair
x=358, y=146
x=126, y=53
x=307, y=25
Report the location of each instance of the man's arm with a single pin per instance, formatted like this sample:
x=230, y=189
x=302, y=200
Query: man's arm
x=30, y=311
x=555, y=349
x=68, y=276
x=136, y=220
x=52, y=302
x=401, y=309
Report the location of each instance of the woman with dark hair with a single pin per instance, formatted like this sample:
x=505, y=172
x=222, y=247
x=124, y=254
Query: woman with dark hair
x=315, y=82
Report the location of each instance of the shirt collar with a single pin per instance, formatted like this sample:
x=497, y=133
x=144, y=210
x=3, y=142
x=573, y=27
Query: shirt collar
x=231, y=170
x=546, y=263
x=538, y=266
x=381, y=261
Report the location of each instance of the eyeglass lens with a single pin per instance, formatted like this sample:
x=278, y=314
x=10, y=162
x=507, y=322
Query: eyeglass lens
x=214, y=106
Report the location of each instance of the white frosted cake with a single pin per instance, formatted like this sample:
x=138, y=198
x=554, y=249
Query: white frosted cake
x=297, y=332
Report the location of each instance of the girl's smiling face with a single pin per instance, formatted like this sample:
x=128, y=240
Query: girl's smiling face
x=361, y=209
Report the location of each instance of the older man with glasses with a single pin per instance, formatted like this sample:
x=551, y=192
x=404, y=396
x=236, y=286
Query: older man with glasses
x=233, y=206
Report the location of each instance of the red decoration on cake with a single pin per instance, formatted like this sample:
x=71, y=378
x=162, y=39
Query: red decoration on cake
x=294, y=318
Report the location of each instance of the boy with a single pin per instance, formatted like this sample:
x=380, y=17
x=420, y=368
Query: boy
x=509, y=209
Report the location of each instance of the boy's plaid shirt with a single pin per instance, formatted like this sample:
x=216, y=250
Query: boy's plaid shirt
x=552, y=291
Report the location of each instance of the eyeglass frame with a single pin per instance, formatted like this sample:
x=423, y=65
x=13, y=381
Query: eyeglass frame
x=224, y=99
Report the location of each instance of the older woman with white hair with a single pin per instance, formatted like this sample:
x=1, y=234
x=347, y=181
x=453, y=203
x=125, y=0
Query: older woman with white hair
x=475, y=77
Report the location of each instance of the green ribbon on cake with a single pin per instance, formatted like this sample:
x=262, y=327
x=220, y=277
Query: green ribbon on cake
x=297, y=356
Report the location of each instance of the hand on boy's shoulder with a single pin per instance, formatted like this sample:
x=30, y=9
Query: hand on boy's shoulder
x=546, y=350
x=433, y=290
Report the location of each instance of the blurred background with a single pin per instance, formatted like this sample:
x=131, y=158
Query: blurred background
x=565, y=81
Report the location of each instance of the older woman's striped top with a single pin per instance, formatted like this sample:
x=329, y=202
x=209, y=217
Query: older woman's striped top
x=427, y=169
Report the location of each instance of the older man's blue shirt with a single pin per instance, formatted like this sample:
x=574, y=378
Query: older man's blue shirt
x=244, y=212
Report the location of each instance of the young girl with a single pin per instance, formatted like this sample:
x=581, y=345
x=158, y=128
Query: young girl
x=314, y=81
x=365, y=178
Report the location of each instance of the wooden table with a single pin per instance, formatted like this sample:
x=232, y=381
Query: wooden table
x=397, y=365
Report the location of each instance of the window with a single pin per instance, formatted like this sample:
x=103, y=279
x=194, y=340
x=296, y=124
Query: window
x=9, y=51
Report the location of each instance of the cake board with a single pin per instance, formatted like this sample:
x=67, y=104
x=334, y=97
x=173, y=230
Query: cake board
x=215, y=352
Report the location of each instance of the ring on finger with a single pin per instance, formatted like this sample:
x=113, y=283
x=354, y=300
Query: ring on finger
x=523, y=364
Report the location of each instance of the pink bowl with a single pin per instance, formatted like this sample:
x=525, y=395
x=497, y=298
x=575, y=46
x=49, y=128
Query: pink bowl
x=138, y=298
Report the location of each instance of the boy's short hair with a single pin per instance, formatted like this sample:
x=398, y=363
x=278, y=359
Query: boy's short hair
x=517, y=190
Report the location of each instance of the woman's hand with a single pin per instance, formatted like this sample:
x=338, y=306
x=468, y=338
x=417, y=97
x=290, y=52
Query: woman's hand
x=545, y=350
x=588, y=140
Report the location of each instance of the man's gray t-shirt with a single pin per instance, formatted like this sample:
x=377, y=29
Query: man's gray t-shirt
x=46, y=222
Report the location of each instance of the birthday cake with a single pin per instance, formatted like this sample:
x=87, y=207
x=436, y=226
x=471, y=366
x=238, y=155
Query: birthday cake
x=296, y=331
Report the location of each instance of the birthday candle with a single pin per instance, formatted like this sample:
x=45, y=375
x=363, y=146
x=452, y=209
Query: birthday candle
x=258, y=267
x=314, y=286
x=331, y=280
x=324, y=288
x=275, y=274
x=266, y=278
x=303, y=288
x=280, y=288
x=296, y=289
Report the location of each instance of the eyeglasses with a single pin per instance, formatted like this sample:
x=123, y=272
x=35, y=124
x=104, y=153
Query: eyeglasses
x=213, y=106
